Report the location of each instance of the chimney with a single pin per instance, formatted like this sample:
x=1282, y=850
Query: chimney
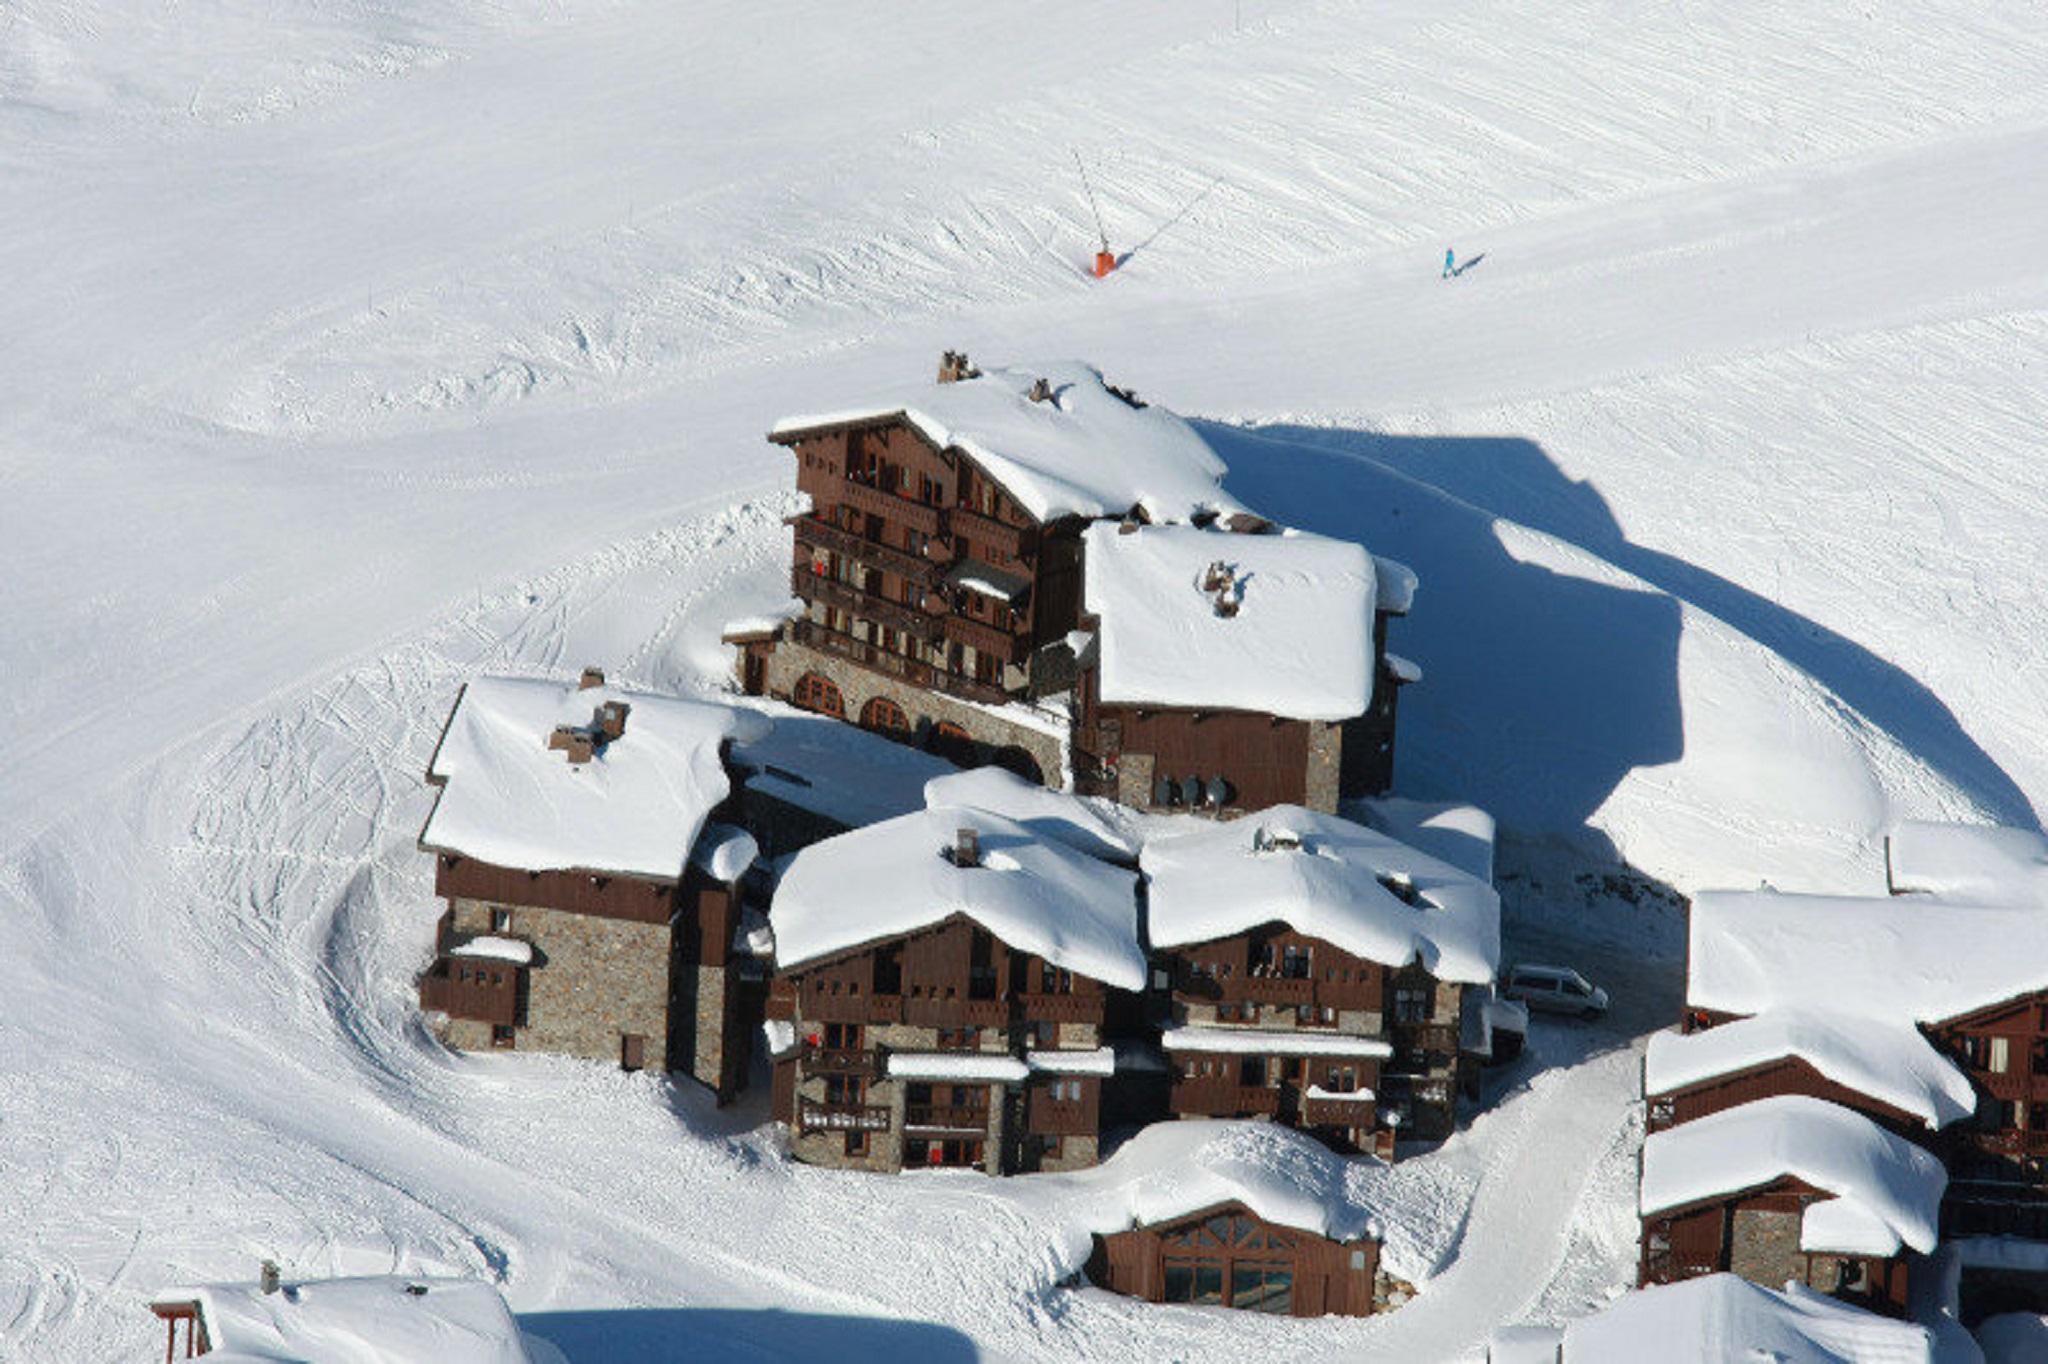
x=577, y=743
x=1221, y=579
x=268, y=1278
x=592, y=677
x=953, y=367
x=1041, y=391
x=967, y=848
x=611, y=719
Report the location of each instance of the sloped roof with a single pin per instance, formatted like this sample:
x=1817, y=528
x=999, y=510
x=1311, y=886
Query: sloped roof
x=1720, y=1318
x=1323, y=876
x=635, y=808
x=1891, y=1062
x=358, y=1321
x=1085, y=452
x=1887, y=1192
x=1094, y=827
x=1039, y=895
x=1299, y=643
x=1969, y=861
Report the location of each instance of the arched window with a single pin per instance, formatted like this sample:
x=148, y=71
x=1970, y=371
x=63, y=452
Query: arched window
x=885, y=718
x=817, y=693
x=1016, y=759
x=953, y=743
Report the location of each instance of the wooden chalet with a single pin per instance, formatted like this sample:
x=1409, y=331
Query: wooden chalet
x=1790, y=1189
x=940, y=575
x=1229, y=1256
x=1294, y=944
x=592, y=908
x=943, y=981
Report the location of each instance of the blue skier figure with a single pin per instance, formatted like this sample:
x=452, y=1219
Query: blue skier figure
x=1450, y=263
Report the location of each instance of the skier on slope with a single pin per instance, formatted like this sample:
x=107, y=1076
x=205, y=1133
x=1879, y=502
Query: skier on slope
x=1450, y=263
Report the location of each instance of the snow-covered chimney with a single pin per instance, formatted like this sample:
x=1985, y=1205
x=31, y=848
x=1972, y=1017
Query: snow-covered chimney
x=577, y=743
x=268, y=1278
x=592, y=677
x=611, y=719
x=1221, y=579
x=954, y=366
x=967, y=847
x=1041, y=390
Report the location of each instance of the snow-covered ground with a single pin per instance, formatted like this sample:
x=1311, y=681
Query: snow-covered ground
x=353, y=348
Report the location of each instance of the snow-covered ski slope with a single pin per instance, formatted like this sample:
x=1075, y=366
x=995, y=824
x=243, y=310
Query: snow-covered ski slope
x=349, y=348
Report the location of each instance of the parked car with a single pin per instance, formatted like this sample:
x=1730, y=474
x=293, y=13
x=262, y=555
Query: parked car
x=1554, y=989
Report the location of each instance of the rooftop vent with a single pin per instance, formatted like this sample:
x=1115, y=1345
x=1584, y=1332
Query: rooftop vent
x=966, y=847
x=579, y=743
x=1221, y=580
x=1401, y=886
x=592, y=677
x=268, y=1277
x=1041, y=390
x=954, y=366
x=416, y=1290
x=1125, y=395
x=610, y=720
x=1275, y=840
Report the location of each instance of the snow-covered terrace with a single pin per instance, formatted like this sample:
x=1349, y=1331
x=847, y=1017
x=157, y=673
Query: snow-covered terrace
x=1084, y=451
x=1289, y=633
x=1887, y=1192
x=371, y=1320
x=1329, y=878
x=635, y=808
x=1036, y=894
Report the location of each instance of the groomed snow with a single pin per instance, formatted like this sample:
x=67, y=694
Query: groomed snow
x=372, y=1320
x=1721, y=1319
x=1261, y=1042
x=1892, y=1062
x=1098, y=828
x=1299, y=644
x=1887, y=1191
x=1086, y=452
x=635, y=808
x=1969, y=862
x=1038, y=895
x=1322, y=876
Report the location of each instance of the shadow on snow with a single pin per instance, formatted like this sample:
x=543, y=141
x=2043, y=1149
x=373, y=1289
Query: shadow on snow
x=648, y=1335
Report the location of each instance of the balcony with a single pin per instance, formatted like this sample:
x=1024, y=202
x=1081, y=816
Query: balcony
x=814, y=531
x=916, y=515
x=1275, y=989
x=1326, y=1112
x=840, y=1060
x=988, y=639
x=1062, y=1008
x=868, y=605
x=916, y=673
x=945, y=1118
x=983, y=530
x=929, y=1011
x=471, y=988
x=812, y=1116
x=1222, y=1099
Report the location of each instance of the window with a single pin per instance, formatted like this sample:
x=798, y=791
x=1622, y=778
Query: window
x=501, y=920
x=849, y=1090
x=1044, y=1034
x=1199, y=1284
x=857, y=1143
x=1411, y=1005
x=1262, y=1288
x=886, y=718
x=1998, y=1056
x=1054, y=981
x=816, y=693
x=502, y=1035
x=842, y=1036
x=1251, y=1072
x=1294, y=963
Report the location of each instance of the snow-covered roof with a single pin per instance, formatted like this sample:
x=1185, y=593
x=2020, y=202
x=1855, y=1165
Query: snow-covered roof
x=780, y=1035
x=1462, y=835
x=495, y=949
x=1969, y=861
x=358, y=1321
x=1094, y=1061
x=1172, y=1169
x=635, y=808
x=1038, y=895
x=832, y=769
x=1260, y=1042
x=2014, y=1338
x=1298, y=643
x=1084, y=452
x=1890, y=1061
x=724, y=852
x=1911, y=959
x=1722, y=1319
x=1396, y=584
x=957, y=1065
x=1324, y=877
x=1092, y=826
x=1887, y=1192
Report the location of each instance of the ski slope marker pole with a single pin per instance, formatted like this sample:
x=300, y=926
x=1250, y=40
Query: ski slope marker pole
x=1105, y=259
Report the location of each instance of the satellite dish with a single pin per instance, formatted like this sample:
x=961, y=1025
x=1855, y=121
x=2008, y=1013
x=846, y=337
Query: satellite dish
x=1191, y=790
x=1163, y=791
x=1219, y=792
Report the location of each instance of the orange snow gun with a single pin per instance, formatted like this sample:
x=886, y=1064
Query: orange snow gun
x=1105, y=259
x=1105, y=262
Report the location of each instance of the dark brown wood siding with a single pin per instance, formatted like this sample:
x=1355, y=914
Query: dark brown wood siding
x=1788, y=1075
x=603, y=895
x=1325, y=1279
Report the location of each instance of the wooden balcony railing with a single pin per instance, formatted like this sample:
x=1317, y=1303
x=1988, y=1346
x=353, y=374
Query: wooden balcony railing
x=945, y=1117
x=840, y=1060
x=1009, y=646
x=1317, y=1112
x=1274, y=989
x=910, y=512
x=812, y=1116
x=812, y=530
x=916, y=673
x=1221, y=1099
x=929, y=1011
x=1061, y=1008
x=983, y=530
x=478, y=989
x=912, y=620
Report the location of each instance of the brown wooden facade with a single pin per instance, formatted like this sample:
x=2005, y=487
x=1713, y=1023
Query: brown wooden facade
x=1785, y=1075
x=1754, y=1234
x=950, y=989
x=1228, y=1256
x=1282, y=982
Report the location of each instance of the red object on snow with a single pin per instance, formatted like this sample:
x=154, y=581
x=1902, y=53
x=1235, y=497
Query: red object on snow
x=1104, y=263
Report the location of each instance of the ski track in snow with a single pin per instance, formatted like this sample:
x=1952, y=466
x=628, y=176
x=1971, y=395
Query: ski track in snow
x=448, y=347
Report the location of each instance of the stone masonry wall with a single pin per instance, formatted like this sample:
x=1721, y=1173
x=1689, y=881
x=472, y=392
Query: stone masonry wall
x=592, y=980
x=857, y=686
x=1325, y=766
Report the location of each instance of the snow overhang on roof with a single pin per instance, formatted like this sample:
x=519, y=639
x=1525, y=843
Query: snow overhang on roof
x=1090, y=826
x=358, y=1321
x=1887, y=1191
x=1889, y=1061
x=635, y=808
x=1170, y=1170
x=1036, y=894
x=1083, y=451
x=1969, y=861
x=1277, y=624
x=1719, y=1318
x=1254, y=1042
x=1329, y=878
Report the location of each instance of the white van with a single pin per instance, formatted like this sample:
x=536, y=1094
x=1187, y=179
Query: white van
x=1554, y=989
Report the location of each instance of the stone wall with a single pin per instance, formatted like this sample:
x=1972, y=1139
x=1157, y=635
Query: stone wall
x=1076, y=1153
x=858, y=685
x=1325, y=766
x=592, y=981
x=1763, y=1246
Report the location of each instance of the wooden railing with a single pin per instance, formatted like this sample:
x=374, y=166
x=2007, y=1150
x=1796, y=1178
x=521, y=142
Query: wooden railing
x=1273, y=989
x=490, y=994
x=1223, y=1099
x=812, y=530
x=1062, y=1008
x=983, y=530
x=931, y=1011
x=840, y=1060
x=917, y=515
x=946, y=1117
x=909, y=619
x=812, y=1116
x=916, y=673
x=1316, y=1112
x=1006, y=645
